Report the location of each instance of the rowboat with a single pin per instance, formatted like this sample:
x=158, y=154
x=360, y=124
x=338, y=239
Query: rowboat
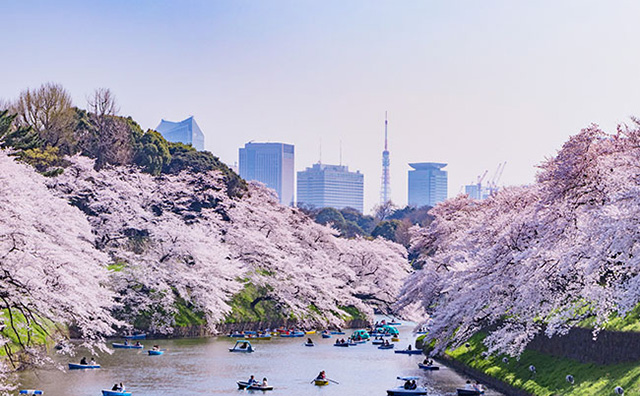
x=107, y=392
x=309, y=344
x=253, y=386
x=389, y=346
x=127, y=346
x=401, y=391
x=155, y=352
x=310, y=332
x=76, y=366
x=31, y=392
x=428, y=367
x=409, y=351
x=377, y=342
x=260, y=387
x=325, y=335
x=467, y=392
x=242, y=346
x=395, y=339
x=341, y=344
x=140, y=336
x=394, y=324
x=337, y=332
x=321, y=382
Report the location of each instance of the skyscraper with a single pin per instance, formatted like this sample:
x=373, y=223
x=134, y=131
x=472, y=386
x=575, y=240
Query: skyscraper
x=427, y=183
x=271, y=164
x=186, y=131
x=385, y=185
x=332, y=186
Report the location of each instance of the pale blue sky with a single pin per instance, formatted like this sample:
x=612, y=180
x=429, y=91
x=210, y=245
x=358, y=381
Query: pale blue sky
x=470, y=83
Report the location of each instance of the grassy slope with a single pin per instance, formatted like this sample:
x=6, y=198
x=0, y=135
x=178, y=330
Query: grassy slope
x=549, y=379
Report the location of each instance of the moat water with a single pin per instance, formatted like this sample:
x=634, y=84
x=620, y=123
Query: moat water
x=204, y=366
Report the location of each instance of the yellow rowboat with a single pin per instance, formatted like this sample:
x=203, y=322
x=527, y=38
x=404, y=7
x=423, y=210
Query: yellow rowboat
x=395, y=339
x=310, y=332
x=321, y=382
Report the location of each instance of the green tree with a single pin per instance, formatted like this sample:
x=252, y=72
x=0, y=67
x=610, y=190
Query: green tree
x=19, y=138
x=387, y=229
x=151, y=152
x=330, y=215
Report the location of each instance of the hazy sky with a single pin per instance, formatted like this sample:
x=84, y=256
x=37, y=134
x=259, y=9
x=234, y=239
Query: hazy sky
x=469, y=83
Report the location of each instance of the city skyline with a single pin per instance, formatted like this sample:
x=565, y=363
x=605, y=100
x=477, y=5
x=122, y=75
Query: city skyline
x=465, y=83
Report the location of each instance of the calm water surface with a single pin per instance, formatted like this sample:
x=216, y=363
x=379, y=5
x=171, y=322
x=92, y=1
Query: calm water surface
x=204, y=366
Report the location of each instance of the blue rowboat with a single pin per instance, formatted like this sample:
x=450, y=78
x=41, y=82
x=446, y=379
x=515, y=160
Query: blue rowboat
x=155, y=353
x=410, y=351
x=140, y=336
x=390, y=346
x=430, y=367
x=107, y=392
x=126, y=346
x=337, y=332
x=31, y=392
x=309, y=344
x=341, y=344
x=326, y=335
x=75, y=366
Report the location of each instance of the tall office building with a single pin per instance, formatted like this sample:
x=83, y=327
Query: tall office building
x=186, y=131
x=271, y=164
x=332, y=186
x=427, y=184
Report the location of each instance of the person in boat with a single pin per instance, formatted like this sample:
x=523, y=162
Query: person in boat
x=126, y=342
x=386, y=342
x=409, y=347
x=468, y=386
x=478, y=387
x=321, y=375
x=243, y=345
x=93, y=361
x=264, y=382
x=137, y=343
x=115, y=387
x=83, y=361
x=309, y=341
x=156, y=348
x=413, y=384
x=252, y=380
x=407, y=384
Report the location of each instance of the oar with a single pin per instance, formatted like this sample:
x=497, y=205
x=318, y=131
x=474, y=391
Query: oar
x=335, y=382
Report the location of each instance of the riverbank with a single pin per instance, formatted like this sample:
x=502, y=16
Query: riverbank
x=539, y=374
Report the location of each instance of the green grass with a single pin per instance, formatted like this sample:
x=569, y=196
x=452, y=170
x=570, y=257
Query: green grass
x=242, y=311
x=188, y=315
x=353, y=313
x=551, y=372
x=38, y=334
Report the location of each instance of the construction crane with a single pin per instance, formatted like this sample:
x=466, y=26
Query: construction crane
x=493, y=183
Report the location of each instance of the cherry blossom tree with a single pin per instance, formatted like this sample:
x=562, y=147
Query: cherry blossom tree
x=538, y=258
x=51, y=276
x=183, y=238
